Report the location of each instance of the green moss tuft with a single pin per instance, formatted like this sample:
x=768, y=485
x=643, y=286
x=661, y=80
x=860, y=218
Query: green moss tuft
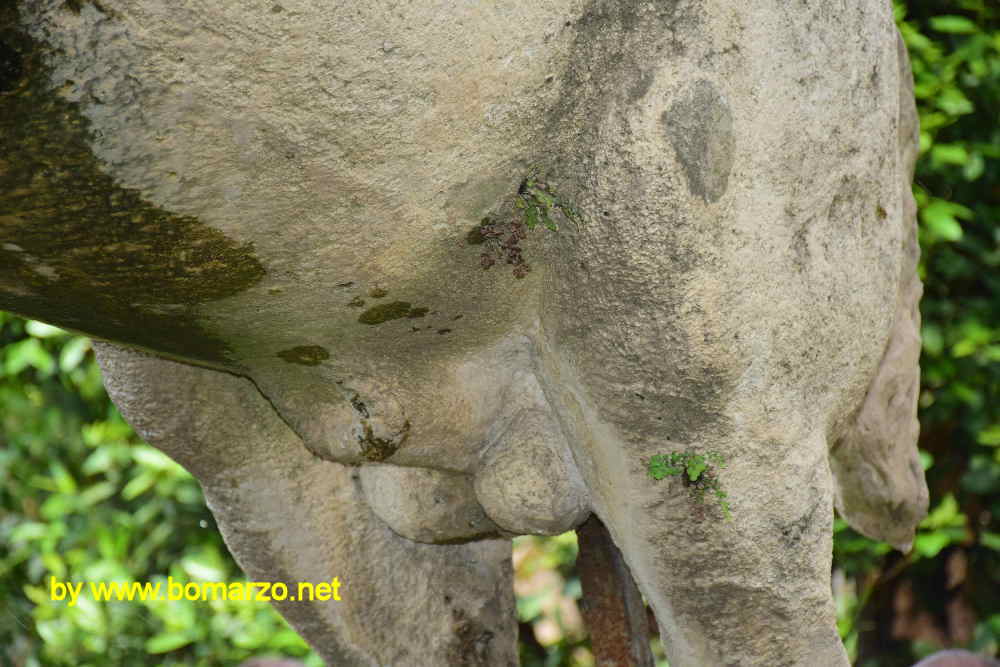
x=385, y=312
x=307, y=355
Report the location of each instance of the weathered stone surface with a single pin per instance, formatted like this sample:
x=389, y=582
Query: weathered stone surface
x=741, y=280
x=880, y=481
x=528, y=483
x=426, y=505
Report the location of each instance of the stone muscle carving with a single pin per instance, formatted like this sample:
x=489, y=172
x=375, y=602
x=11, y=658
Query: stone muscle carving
x=267, y=208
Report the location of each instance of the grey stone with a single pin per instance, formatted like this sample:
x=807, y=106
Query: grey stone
x=426, y=505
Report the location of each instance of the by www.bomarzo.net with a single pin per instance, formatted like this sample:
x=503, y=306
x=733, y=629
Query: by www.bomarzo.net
x=263, y=591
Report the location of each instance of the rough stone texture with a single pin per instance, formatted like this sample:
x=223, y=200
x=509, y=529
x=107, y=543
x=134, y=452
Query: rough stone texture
x=527, y=483
x=285, y=197
x=880, y=481
x=426, y=505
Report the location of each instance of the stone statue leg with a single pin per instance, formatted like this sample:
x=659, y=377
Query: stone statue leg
x=402, y=603
x=753, y=591
x=737, y=289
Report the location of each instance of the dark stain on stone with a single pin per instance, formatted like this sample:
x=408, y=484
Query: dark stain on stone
x=307, y=355
x=378, y=449
x=417, y=312
x=377, y=292
x=850, y=205
x=880, y=212
x=793, y=531
x=356, y=302
x=11, y=68
x=359, y=406
x=699, y=126
x=475, y=235
x=385, y=312
x=93, y=256
x=76, y=6
x=343, y=285
x=444, y=331
x=641, y=86
x=800, y=247
x=473, y=643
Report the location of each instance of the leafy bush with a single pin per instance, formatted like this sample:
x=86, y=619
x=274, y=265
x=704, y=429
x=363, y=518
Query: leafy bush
x=81, y=498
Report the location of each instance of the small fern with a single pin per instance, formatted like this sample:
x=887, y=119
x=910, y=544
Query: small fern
x=697, y=471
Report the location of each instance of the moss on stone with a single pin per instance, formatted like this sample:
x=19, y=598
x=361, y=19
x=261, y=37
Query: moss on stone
x=85, y=253
x=307, y=355
x=390, y=311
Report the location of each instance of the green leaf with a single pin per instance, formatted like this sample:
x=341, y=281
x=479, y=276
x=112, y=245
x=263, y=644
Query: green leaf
x=28, y=531
x=73, y=353
x=64, y=482
x=956, y=25
x=926, y=460
x=975, y=167
x=205, y=565
x=28, y=352
x=138, y=485
x=946, y=514
x=930, y=545
x=153, y=458
x=991, y=540
x=949, y=154
x=695, y=467
x=531, y=217
x=660, y=466
x=42, y=330
x=54, y=564
x=97, y=493
x=953, y=101
x=545, y=198
x=167, y=641
x=932, y=339
x=941, y=218
x=99, y=461
x=59, y=505
x=990, y=436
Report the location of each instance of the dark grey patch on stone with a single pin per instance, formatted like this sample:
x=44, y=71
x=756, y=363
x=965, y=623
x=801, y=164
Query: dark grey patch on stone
x=800, y=246
x=11, y=68
x=641, y=86
x=850, y=210
x=792, y=532
x=699, y=125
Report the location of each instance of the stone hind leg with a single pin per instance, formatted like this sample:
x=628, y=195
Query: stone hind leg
x=289, y=516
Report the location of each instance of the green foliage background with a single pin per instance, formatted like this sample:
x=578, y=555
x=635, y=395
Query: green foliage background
x=82, y=498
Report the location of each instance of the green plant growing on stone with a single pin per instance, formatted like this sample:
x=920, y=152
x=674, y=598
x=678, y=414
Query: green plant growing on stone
x=697, y=471
x=540, y=202
x=539, y=205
